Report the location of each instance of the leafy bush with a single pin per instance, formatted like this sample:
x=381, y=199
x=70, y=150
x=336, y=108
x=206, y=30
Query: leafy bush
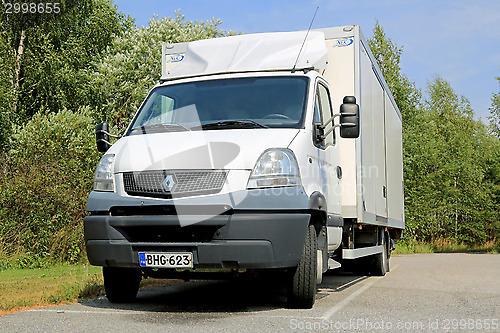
x=45, y=180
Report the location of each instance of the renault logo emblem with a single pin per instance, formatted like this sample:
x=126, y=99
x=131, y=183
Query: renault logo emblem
x=168, y=183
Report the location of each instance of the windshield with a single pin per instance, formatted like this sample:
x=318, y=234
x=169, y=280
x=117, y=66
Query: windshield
x=260, y=102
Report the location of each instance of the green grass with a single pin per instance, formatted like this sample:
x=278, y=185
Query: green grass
x=444, y=246
x=25, y=288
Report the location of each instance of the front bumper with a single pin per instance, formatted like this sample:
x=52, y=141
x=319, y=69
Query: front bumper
x=248, y=234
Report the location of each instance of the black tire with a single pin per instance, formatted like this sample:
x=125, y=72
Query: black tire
x=380, y=261
x=121, y=284
x=302, y=285
x=388, y=247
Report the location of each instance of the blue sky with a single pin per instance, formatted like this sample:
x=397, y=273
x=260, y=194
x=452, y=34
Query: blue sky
x=458, y=40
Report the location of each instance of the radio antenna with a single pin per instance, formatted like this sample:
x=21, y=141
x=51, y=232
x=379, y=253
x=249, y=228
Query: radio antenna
x=303, y=43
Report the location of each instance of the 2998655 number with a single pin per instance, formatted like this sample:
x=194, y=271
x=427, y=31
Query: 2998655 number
x=32, y=8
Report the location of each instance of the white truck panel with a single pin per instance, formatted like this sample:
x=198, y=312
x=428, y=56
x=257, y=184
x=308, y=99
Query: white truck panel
x=367, y=167
x=340, y=74
x=372, y=169
x=394, y=152
x=245, y=53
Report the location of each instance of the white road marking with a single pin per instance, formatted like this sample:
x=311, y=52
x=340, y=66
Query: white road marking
x=348, y=299
x=285, y=316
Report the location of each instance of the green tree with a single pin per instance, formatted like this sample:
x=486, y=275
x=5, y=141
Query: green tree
x=460, y=176
x=451, y=169
x=46, y=54
x=493, y=149
x=132, y=64
x=494, y=117
x=452, y=174
x=6, y=90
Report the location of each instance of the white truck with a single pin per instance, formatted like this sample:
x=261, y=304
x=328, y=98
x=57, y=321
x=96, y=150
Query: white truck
x=274, y=154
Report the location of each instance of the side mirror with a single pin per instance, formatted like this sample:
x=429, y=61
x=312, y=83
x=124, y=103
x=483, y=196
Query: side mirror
x=349, y=118
x=102, y=137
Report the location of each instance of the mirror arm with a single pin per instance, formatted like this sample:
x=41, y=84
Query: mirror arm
x=331, y=119
x=331, y=129
x=111, y=135
x=329, y=144
x=102, y=140
x=338, y=126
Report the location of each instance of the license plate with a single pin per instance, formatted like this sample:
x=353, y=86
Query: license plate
x=166, y=260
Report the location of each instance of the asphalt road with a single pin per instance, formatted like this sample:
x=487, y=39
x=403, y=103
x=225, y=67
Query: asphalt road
x=424, y=292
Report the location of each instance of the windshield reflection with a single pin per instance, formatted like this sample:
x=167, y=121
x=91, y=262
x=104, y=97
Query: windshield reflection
x=260, y=102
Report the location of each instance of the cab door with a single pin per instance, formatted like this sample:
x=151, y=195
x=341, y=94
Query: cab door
x=327, y=152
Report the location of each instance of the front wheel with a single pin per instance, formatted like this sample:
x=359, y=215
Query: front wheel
x=121, y=284
x=302, y=285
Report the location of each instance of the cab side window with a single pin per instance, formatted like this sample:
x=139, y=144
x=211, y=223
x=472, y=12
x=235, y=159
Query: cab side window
x=324, y=107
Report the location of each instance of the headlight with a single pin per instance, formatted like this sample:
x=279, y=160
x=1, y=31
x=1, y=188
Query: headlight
x=275, y=167
x=103, y=180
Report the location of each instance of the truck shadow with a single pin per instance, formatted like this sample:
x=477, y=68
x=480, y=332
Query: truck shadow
x=223, y=296
x=337, y=281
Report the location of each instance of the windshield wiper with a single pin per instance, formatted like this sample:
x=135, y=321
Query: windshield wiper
x=169, y=127
x=227, y=124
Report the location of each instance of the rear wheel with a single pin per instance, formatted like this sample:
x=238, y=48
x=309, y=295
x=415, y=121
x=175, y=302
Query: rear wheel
x=389, y=248
x=121, y=284
x=380, y=264
x=302, y=285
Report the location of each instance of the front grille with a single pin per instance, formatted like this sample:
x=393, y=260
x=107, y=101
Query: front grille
x=174, y=183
